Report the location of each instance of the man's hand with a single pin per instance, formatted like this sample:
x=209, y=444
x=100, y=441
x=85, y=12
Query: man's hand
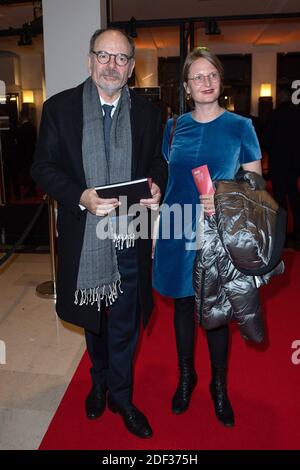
x=97, y=205
x=208, y=202
x=153, y=202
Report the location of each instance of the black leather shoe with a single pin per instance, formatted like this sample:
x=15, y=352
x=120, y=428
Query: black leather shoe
x=135, y=421
x=218, y=391
x=187, y=383
x=95, y=402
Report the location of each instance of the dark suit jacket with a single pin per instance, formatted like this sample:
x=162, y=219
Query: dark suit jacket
x=281, y=137
x=58, y=170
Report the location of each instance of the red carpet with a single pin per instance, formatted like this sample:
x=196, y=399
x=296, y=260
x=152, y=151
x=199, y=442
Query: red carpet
x=263, y=382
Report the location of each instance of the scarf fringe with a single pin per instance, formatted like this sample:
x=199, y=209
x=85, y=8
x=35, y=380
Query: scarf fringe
x=109, y=293
x=121, y=239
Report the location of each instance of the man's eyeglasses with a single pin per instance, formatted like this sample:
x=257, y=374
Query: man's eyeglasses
x=199, y=78
x=104, y=57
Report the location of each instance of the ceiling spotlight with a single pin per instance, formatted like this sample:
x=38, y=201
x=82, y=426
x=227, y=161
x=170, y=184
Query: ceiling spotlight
x=25, y=36
x=131, y=30
x=25, y=39
x=212, y=28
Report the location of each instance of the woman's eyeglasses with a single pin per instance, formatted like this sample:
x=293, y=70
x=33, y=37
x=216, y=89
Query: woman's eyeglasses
x=199, y=78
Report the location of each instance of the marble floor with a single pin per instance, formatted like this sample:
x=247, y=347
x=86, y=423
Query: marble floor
x=38, y=353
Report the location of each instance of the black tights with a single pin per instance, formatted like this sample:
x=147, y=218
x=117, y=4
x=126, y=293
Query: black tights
x=184, y=323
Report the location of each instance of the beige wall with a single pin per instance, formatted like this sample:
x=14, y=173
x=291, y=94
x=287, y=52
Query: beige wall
x=68, y=26
x=10, y=71
x=264, y=70
x=146, y=68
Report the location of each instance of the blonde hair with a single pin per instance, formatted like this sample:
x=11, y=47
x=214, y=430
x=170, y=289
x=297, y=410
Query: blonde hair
x=201, y=52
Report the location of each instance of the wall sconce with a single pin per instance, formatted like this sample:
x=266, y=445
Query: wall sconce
x=212, y=27
x=28, y=96
x=265, y=90
x=25, y=38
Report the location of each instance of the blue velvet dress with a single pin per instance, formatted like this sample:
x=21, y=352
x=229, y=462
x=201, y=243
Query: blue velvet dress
x=224, y=144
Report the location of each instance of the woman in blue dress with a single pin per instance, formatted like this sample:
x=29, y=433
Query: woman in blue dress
x=224, y=141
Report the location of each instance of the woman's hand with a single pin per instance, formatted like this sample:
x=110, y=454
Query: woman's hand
x=152, y=203
x=208, y=203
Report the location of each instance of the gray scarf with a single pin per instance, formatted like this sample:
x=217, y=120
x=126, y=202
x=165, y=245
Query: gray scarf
x=98, y=275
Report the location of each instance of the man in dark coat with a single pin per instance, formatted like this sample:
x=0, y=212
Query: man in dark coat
x=282, y=144
x=101, y=133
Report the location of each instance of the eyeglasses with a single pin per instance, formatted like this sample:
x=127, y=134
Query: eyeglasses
x=199, y=78
x=104, y=57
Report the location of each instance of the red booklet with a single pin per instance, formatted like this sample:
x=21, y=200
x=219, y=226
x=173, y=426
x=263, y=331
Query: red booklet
x=203, y=180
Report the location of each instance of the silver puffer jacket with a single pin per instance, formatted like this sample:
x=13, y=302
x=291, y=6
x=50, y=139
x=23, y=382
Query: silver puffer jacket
x=240, y=251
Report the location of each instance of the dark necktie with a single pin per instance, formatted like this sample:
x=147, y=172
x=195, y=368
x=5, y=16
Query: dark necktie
x=107, y=120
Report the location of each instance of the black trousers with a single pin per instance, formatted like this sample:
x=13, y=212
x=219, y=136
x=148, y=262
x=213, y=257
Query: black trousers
x=184, y=323
x=112, y=351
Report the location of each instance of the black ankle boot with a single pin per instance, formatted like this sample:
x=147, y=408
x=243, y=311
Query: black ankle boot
x=187, y=383
x=218, y=391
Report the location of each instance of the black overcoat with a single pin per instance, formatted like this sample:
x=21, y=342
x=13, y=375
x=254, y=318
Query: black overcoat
x=58, y=170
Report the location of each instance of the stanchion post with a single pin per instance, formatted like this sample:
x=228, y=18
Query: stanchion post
x=2, y=182
x=48, y=289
